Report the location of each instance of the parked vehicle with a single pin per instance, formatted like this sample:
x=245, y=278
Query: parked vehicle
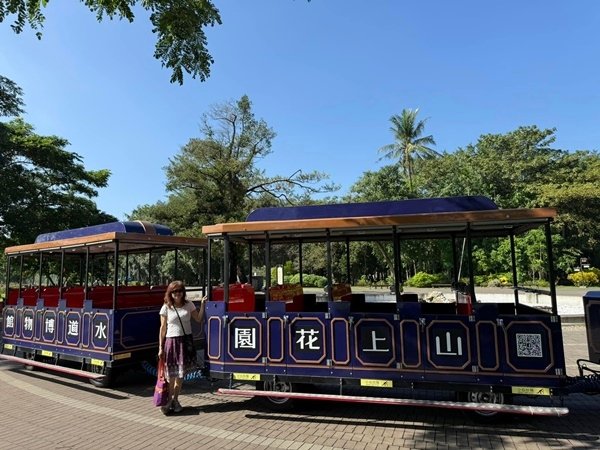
x=86, y=301
x=494, y=356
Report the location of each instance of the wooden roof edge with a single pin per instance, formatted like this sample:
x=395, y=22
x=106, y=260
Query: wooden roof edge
x=412, y=219
x=106, y=237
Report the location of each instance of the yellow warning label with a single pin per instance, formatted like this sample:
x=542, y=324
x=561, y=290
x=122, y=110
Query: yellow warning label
x=527, y=390
x=97, y=362
x=246, y=376
x=46, y=353
x=9, y=346
x=376, y=383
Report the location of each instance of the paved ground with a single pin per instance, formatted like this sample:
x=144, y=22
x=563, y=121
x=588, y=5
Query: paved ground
x=43, y=410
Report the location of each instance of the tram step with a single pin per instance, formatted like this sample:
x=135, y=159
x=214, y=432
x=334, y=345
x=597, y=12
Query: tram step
x=489, y=407
x=42, y=365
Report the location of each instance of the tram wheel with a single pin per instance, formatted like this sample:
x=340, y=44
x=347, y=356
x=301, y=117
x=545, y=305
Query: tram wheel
x=277, y=403
x=30, y=356
x=484, y=397
x=103, y=382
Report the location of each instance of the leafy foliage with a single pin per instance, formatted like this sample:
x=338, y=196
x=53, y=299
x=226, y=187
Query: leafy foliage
x=45, y=188
x=586, y=278
x=11, y=101
x=516, y=169
x=179, y=26
x=216, y=178
x=408, y=143
x=309, y=280
x=423, y=279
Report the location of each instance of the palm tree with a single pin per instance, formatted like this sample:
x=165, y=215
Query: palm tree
x=408, y=143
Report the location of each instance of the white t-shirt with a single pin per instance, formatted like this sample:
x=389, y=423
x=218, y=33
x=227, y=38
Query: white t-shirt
x=173, y=324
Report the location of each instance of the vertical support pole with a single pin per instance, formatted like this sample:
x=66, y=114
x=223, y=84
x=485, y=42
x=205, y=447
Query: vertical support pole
x=513, y=260
x=250, y=263
x=348, y=271
x=126, y=268
x=300, y=260
x=455, y=279
x=209, y=268
x=551, y=274
x=81, y=269
x=20, y=276
x=61, y=276
x=203, y=272
x=150, y=267
x=176, y=264
x=115, y=274
x=329, y=270
x=226, y=268
x=267, y=266
x=106, y=269
x=40, y=281
x=8, y=279
x=87, y=273
x=396, y=245
x=470, y=263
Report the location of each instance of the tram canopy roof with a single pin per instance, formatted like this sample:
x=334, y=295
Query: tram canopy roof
x=432, y=217
x=118, y=227
x=130, y=236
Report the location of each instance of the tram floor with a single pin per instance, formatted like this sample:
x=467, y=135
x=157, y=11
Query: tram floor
x=47, y=410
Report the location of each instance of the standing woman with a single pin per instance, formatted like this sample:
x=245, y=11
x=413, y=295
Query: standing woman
x=175, y=321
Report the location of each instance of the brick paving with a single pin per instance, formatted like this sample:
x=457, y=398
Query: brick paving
x=45, y=410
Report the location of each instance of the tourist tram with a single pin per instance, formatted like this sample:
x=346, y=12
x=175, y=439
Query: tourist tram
x=86, y=301
x=294, y=345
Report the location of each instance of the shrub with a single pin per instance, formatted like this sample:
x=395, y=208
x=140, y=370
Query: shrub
x=585, y=278
x=422, y=279
x=363, y=281
x=308, y=280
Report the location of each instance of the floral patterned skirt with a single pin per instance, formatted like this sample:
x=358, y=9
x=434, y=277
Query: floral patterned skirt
x=178, y=365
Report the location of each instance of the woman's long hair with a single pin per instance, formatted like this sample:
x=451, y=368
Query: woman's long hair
x=173, y=286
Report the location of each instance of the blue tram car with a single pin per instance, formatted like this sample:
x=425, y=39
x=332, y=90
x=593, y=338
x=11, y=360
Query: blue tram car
x=295, y=343
x=86, y=301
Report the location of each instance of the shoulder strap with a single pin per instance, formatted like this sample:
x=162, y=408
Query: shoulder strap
x=182, y=327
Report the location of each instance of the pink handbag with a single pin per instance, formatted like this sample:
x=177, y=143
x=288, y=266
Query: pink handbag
x=161, y=390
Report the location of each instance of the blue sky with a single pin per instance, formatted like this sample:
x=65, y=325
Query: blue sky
x=326, y=75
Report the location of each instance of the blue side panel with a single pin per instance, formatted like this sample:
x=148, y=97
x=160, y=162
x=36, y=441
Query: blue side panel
x=113, y=227
x=591, y=307
x=70, y=331
x=408, y=346
x=390, y=208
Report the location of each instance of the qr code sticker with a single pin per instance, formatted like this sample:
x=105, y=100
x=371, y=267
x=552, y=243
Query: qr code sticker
x=529, y=345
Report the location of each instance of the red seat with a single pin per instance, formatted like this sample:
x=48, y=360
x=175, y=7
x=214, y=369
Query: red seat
x=342, y=291
x=464, y=305
x=102, y=297
x=50, y=296
x=291, y=294
x=140, y=296
x=29, y=296
x=73, y=297
x=241, y=297
x=13, y=295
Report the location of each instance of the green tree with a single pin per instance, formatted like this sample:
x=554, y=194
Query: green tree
x=179, y=25
x=386, y=183
x=11, y=101
x=520, y=169
x=409, y=144
x=44, y=187
x=509, y=168
x=216, y=178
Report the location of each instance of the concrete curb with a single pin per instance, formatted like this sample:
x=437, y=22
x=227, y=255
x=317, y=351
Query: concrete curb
x=572, y=319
